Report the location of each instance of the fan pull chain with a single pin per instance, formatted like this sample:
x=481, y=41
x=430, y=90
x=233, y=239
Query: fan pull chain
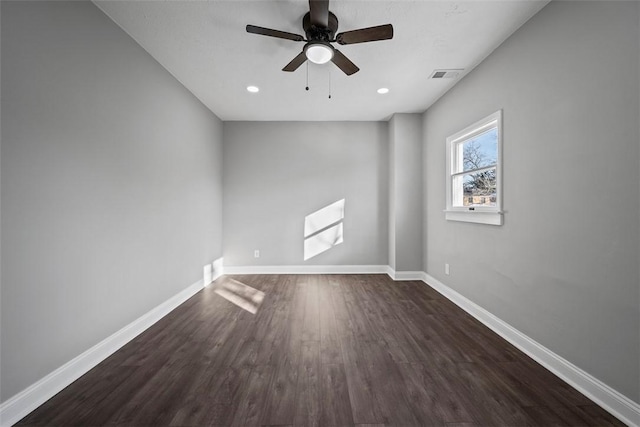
x=329, y=84
x=307, y=87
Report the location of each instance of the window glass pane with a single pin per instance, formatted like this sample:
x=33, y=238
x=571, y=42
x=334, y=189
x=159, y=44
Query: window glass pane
x=477, y=189
x=480, y=151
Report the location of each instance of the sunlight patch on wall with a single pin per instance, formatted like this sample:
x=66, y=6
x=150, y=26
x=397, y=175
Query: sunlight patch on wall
x=240, y=294
x=323, y=229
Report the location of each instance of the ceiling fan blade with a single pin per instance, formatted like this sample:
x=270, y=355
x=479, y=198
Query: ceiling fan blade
x=295, y=62
x=371, y=34
x=274, y=33
x=344, y=63
x=319, y=13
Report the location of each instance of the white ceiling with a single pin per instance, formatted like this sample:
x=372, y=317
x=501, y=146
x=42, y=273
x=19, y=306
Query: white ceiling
x=205, y=46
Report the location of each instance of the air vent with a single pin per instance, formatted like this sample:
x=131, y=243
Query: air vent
x=445, y=74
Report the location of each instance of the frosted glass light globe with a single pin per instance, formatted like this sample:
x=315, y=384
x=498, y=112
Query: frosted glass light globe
x=318, y=53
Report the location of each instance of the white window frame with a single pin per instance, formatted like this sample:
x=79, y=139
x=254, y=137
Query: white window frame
x=478, y=214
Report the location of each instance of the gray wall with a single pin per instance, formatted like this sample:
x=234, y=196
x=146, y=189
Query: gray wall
x=111, y=185
x=276, y=173
x=563, y=268
x=405, y=192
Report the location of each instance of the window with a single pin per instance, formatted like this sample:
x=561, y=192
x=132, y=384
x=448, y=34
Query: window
x=474, y=172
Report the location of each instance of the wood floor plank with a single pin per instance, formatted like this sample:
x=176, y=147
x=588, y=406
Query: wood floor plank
x=487, y=403
x=544, y=385
x=596, y=416
x=362, y=329
x=311, y=322
x=156, y=402
x=321, y=350
x=223, y=398
x=198, y=406
x=307, y=407
x=436, y=401
x=281, y=400
x=250, y=409
x=388, y=389
x=334, y=395
x=554, y=416
x=82, y=409
x=424, y=401
x=330, y=352
x=345, y=327
x=277, y=326
x=298, y=306
x=364, y=408
x=401, y=343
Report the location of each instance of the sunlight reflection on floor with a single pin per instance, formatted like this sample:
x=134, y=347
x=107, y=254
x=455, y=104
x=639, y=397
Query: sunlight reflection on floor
x=240, y=294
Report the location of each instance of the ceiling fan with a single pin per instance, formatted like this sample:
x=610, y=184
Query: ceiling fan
x=320, y=26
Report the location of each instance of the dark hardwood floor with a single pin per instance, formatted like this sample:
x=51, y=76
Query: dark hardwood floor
x=329, y=350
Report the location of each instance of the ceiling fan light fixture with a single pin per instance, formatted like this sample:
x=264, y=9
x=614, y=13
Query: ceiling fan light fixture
x=320, y=27
x=318, y=53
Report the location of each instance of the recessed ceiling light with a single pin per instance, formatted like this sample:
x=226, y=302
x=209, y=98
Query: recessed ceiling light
x=383, y=90
x=253, y=89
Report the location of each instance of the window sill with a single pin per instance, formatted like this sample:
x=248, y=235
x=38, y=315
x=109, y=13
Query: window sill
x=478, y=217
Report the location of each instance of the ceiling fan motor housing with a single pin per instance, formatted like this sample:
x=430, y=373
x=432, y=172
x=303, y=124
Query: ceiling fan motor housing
x=316, y=33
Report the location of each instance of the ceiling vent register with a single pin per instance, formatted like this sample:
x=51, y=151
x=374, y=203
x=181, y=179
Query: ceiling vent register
x=445, y=74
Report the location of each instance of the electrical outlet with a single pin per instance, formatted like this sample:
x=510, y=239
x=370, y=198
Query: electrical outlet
x=256, y=253
x=446, y=269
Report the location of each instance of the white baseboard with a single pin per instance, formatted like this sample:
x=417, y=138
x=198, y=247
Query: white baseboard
x=218, y=269
x=306, y=269
x=404, y=275
x=614, y=402
x=20, y=405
